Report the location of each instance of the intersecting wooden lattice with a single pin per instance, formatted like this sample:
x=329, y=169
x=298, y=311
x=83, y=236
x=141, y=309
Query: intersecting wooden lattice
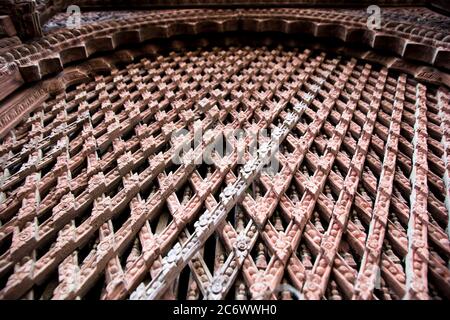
x=93, y=205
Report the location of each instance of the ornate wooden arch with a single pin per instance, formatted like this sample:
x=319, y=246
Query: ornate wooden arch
x=356, y=123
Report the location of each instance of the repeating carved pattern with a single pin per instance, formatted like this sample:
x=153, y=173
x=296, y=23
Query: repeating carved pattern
x=403, y=38
x=418, y=18
x=93, y=204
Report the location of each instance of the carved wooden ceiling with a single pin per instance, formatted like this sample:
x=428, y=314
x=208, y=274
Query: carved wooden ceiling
x=93, y=204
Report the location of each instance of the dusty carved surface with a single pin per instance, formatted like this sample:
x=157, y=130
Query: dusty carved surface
x=333, y=179
x=94, y=207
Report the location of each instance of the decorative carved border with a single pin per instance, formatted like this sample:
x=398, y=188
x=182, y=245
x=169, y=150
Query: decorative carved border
x=49, y=54
x=19, y=106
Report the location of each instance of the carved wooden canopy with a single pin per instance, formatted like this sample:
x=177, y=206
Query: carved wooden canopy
x=334, y=182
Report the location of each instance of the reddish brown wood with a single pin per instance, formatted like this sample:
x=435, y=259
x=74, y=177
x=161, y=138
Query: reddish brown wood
x=94, y=203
